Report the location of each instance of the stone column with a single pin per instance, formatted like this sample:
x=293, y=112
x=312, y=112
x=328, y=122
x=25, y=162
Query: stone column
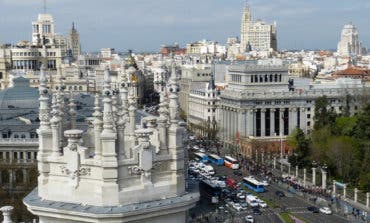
x=262, y=158
x=281, y=167
x=334, y=187
x=263, y=122
x=274, y=162
x=7, y=212
x=323, y=179
x=281, y=125
x=25, y=176
x=289, y=165
x=296, y=172
x=11, y=178
x=368, y=199
x=304, y=177
x=254, y=123
x=272, y=122
x=314, y=176
x=344, y=191
x=302, y=119
x=250, y=124
x=241, y=123
x=356, y=194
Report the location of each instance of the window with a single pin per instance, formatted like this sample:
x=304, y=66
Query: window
x=308, y=123
x=308, y=115
x=16, y=136
x=308, y=109
x=23, y=136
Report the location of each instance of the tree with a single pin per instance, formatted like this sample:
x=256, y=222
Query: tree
x=298, y=140
x=323, y=116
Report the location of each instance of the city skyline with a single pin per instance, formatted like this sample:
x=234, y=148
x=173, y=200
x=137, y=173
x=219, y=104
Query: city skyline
x=144, y=25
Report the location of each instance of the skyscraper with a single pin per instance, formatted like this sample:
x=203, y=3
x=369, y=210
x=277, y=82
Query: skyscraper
x=257, y=35
x=74, y=41
x=349, y=43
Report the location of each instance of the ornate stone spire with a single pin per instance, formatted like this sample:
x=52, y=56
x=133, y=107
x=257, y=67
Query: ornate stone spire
x=98, y=126
x=107, y=101
x=55, y=120
x=174, y=103
x=72, y=111
x=44, y=101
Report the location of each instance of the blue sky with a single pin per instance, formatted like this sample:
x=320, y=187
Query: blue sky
x=146, y=24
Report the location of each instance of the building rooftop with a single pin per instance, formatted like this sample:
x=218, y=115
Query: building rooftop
x=21, y=95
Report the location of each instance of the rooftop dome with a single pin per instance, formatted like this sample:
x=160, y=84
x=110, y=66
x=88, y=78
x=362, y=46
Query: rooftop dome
x=21, y=95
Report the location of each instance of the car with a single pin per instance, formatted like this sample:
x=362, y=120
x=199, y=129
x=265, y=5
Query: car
x=325, y=210
x=279, y=193
x=256, y=211
x=262, y=204
x=249, y=219
x=237, y=207
x=313, y=209
x=244, y=206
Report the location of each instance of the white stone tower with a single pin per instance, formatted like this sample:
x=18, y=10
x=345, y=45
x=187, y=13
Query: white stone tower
x=95, y=176
x=245, y=26
x=256, y=35
x=349, y=43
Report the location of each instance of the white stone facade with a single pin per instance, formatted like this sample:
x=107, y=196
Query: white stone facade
x=115, y=171
x=256, y=35
x=258, y=103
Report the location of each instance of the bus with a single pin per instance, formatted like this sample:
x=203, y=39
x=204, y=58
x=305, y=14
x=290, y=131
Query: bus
x=231, y=163
x=253, y=184
x=210, y=191
x=201, y=157
x=213, y=158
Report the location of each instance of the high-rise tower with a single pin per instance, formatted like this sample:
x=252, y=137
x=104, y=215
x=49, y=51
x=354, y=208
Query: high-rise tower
x=74, y=41
x=256, y=35
x=349, y=43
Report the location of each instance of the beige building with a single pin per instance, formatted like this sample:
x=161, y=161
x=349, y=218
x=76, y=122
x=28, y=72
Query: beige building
x=256, y=35
x=191, y=74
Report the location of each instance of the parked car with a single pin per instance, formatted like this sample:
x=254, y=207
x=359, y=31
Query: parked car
x=257, y=211
x=249, y=219
x=279, y=193
x=313, y=209
x=244, y=206
x=325, y=210
x=262, y=204
x=237, y=207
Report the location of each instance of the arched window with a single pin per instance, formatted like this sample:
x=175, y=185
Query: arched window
x=16, y=136
x=75, y=87
x=23, y=136
x=80, y=88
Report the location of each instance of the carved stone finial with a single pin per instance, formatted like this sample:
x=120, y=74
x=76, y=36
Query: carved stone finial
x=7, y=212
x=72, y=111
x=74, y=138
x=55, y=112
x=43, y=79
x=107, y=100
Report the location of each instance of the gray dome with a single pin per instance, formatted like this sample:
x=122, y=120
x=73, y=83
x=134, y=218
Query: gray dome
x=21, y=95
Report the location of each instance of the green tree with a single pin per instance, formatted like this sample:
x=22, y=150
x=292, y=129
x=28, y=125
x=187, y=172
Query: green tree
x=323, y=115
x=301, y=145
